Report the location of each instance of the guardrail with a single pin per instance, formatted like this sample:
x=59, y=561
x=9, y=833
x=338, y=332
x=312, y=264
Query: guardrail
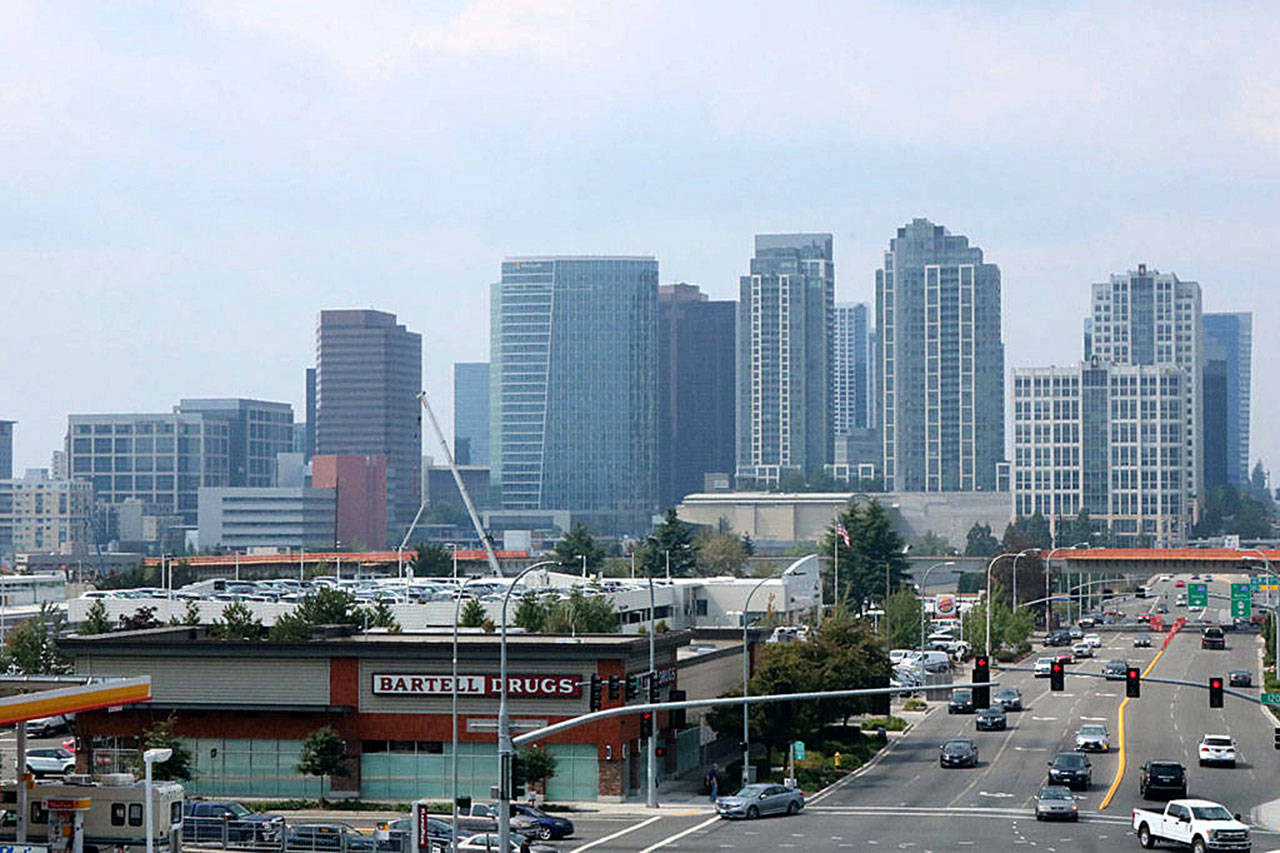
x=280, y=837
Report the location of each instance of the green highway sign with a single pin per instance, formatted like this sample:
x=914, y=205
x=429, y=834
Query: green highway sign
x=1255, y=582
x=1240, y=592
x=1271, y=698
x=1197, y=595
x=1241, y=609
x=797, y=747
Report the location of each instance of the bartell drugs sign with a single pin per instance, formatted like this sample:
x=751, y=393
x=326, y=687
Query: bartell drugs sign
x=432, y=684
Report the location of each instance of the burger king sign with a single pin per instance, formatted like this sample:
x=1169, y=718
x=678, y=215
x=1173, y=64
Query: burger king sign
x=945, y=606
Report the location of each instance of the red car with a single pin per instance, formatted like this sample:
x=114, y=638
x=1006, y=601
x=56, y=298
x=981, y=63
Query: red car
x=1179, y=583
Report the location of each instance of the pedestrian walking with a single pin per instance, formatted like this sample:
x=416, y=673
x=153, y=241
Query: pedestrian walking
x=713, y=781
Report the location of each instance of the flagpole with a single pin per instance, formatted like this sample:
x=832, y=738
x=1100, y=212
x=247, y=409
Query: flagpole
x=835, y=564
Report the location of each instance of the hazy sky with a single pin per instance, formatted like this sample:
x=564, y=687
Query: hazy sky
x=185, y=185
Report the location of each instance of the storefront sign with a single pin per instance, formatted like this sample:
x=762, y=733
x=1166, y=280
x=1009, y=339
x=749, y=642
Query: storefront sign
x=430, y=684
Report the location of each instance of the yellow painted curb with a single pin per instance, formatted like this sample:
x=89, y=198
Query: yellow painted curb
x=1115, y=783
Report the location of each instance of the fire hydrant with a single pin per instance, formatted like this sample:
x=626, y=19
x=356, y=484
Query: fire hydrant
x=836, y=758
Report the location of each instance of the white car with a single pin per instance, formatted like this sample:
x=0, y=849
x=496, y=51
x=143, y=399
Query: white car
x=1093, y=640
x=1093, y=738
x=1082, y=650
x=1044, y=667
x=55, y=760
x=1218, y=749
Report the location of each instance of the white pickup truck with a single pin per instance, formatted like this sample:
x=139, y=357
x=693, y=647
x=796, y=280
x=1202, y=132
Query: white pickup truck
x=1201, y=825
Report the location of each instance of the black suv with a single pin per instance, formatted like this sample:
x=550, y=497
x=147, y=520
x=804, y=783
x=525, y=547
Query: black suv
x=1213, y=638
x=1058, y=638
x=1071, y=769
x=227, y=820
x=961, y=701
x=1163, y=777
x=1116, y=670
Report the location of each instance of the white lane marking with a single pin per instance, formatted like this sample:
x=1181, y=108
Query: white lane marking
x=1091, y=719
x=997, y=794
x=1045, y=719
x=690, y=831
x=618, y=834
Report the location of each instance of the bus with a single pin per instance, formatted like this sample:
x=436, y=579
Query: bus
x=114, y=821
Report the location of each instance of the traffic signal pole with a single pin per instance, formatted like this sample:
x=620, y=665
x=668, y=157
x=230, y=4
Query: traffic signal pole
x=651, y=773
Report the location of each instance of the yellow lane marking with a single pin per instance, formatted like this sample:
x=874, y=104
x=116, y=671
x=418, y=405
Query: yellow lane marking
x=1115, y=783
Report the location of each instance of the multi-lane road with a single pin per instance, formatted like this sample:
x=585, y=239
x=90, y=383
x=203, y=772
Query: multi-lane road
x=904, y=800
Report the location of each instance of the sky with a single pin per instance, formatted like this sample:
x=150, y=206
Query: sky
x=186, y=185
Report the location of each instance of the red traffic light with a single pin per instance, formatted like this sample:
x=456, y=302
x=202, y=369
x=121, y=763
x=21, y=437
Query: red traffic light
x=1215, y=683
x=980, y=660
x=1057, y=666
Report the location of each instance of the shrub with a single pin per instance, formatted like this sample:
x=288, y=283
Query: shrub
x=892, y=724
x=914, y=704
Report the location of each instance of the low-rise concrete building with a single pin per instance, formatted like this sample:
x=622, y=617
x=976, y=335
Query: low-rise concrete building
x=269, y=517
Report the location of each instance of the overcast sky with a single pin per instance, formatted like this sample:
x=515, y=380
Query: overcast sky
x=185, y=185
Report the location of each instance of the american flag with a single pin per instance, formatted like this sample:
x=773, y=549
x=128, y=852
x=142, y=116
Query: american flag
x=842, y=533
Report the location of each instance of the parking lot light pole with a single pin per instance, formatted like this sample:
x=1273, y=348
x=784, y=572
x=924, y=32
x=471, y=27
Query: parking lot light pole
x=150, y=757
x=504, y=721
x=457, y=605
x=924, y=583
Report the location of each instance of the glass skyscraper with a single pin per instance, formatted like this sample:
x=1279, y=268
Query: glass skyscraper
x=1228, y=358
x=852, y=401
x=471, y=412
x=940, y=363
x=786, y=312
x=368, y=377
x=573, y=377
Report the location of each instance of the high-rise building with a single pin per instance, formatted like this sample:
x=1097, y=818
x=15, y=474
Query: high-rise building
x=257, y=431
x=852, y=400
x=573, y=381
x=471, y=413
x=368, y=377
x=1144, y=317
x=1105, y=438
x=785, y=338
x=6, y=449
x=309, y=429
x=696, y=381
x=359, y=484
x=1228, y=358
x=939, y=363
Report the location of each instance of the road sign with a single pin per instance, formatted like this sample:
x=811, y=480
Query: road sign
x=1197, y=595
x=797, y=750
x=1241, y=609
x=1271, y=698
x=1255, y=582
x=1240, y=592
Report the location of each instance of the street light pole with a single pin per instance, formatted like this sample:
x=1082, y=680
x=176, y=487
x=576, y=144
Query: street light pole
x=457, y=605
x=651, y=770
x=1275, y=614
x=924, y=583
x=504, y=721
x=746, y=729
x=150, y=757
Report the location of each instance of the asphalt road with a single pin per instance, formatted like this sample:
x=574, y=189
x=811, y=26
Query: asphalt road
x=906, y=801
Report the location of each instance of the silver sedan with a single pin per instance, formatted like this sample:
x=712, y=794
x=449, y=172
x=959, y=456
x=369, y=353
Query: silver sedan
x=761, y=799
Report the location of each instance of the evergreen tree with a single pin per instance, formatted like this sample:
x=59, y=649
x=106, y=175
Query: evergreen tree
x=324, y=753
x=531, y=613
x=32, y=647
x=95, y=619
x=181, y=766
x=874, y=558
x=431, y=559
x=575, y=545
x=980, y=542
x=473, y=614
x=671, y=538
x=237, y=622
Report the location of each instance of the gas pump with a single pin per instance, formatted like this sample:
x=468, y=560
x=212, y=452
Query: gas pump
x=66, y=824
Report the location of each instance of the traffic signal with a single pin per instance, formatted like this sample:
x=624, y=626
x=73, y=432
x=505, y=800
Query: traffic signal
x=633, y=687
x=615, y=688
x=654, y=697
x=595, y=693
x=1277, y=737
x=660, y=751
x=464, y=805
x=981, y=675
x=677, y=716
x=1133, y=682
x=1057, y=672
x=646, y=723
x=1215, y=692
x=518, y=780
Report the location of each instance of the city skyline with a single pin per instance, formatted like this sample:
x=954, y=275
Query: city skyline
x=335, y=171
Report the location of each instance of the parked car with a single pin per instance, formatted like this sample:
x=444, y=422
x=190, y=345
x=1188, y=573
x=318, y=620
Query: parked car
x=228, y=821
x=1093, y=738
x=961, y=701
x=1162, y=777
x=991, y=719
x=487, y=842
x=50, y=760
x=958, y=752
x=1217, y=749
x=304, y=837
x=1008, y=698
x=754, y=801
x=400, y=829
x=1056, y=802
x=1071, y=769
x=545, y=826
x=46, y=726
x=1240, y=678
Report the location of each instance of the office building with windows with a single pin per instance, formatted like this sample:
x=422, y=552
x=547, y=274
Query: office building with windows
x=1107, y=439
x=1228, y=375
x=41, y=514
x=940, y=363
x=853, y=381
x=1144, y=317
x=6, y=449
x=471, y=413
x=786, y=313
x=368, y=377
x=256, y=431
x=573, y=378
x=697, y=359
